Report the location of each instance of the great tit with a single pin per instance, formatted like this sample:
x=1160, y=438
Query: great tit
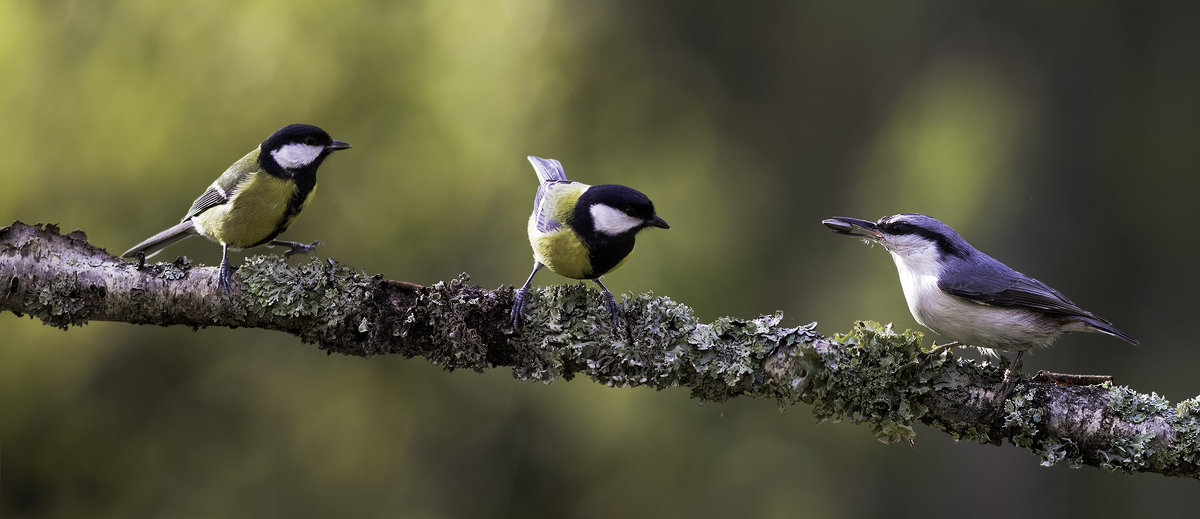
x=256, y=199
x=582, y=231
x=968, y=297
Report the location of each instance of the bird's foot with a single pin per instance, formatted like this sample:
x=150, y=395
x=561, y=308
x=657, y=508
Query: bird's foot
x=933, y=352
x=294, y=247
x=938, y=349
x=224, y=275
x=1015, y=367
x=610, y=303
x=614, y=311
x=1067, y=379
x=518, y=307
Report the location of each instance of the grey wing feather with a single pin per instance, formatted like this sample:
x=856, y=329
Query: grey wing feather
x=545, y=210
x=211, y=198
x=223, y=189
x=993, y=283
x=550, y=175
x=548, y=170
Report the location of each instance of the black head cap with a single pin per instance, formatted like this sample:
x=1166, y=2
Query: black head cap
x=928, y=227
x=622, y=198
x=627, y=199
x=299, y=134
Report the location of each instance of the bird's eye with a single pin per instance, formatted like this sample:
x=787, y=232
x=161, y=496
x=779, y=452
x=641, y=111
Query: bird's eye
x=896, y=227
x=311, y=141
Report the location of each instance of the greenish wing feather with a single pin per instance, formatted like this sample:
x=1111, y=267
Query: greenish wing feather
x=223, y=189
x=545, y=204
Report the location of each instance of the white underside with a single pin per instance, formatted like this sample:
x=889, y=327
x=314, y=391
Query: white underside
x=961, y=320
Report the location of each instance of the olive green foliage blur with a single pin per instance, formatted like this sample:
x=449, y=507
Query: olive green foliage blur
x=1059, y=138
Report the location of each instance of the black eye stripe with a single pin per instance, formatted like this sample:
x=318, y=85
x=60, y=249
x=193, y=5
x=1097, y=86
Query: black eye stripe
x=944, y=244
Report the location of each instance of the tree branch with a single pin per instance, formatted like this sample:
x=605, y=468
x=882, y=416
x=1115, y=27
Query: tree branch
x=870, y=375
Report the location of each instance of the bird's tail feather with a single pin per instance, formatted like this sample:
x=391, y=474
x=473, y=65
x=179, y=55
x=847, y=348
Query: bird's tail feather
x=154, y=244
x=548, y=170
x=1107, y=328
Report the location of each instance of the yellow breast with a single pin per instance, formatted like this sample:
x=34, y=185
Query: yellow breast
x=563, y=252
x=560, y=249
x=255, y=213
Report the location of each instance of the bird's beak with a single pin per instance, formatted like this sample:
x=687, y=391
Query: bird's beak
x=658, y=222
x=338, y=145
x=853, y=227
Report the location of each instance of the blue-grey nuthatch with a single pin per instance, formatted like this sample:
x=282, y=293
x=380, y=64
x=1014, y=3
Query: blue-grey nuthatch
x=966, y=295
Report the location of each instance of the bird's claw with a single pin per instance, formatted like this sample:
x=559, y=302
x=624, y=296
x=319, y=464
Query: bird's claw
x=295, y=247
x=1068, y=379
x=610, y=303
x=224, y=275
x=937, y=349
x=614, y=311
x=933, y=352
x=518, y=307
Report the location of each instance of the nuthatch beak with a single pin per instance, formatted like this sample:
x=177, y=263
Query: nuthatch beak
x=853, y=227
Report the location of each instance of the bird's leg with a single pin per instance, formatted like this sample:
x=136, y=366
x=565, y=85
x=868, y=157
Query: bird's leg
x=518, y=306
x=1015, y=367
x=294, y=247
x=225, y=271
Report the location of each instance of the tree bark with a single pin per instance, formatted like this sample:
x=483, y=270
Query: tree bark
x=871, y=375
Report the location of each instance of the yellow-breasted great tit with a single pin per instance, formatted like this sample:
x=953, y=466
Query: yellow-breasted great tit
x=582, y=231
x=256, y=198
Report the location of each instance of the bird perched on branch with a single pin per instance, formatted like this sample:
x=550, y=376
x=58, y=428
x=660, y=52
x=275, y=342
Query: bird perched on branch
x=966, y=295
x=582, y=231
x=256, y=199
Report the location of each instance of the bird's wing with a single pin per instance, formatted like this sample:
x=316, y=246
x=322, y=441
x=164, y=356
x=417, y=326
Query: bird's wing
x=545, y=204
x=548, y=170
x=996, y=284
x=552, y=185
x=222, y=189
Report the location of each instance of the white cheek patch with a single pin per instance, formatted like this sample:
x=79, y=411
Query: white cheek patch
x=912, y=245
x=612, y=221
x=297, y=155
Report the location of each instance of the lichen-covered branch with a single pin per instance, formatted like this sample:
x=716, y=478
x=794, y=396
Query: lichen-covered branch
x=870, y=375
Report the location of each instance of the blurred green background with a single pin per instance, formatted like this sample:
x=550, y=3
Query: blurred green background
x=1061, y=137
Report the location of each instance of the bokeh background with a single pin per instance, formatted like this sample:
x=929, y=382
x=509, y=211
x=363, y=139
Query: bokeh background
x=1061, y=137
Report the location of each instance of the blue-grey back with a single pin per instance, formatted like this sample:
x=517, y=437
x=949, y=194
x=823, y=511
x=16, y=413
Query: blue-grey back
x=983, y=279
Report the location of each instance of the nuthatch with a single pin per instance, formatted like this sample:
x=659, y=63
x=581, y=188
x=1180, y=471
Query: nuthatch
x=966, y=295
